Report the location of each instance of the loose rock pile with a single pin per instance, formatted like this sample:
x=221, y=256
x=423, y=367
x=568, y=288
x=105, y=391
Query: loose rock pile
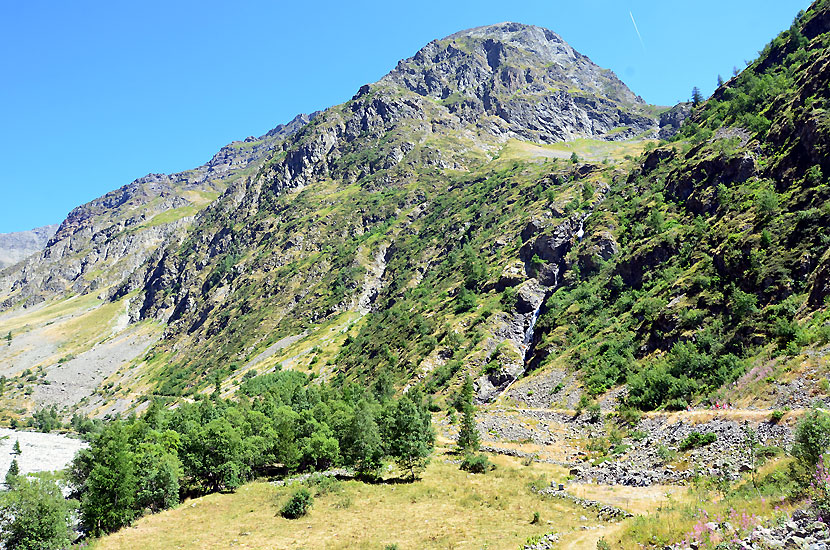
x=801, y=532
x=546, y=542
x=606, y=512
x=642, y=465
x=336, y=472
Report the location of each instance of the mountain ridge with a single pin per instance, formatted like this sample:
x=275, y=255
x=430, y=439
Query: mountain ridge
x=18, y=245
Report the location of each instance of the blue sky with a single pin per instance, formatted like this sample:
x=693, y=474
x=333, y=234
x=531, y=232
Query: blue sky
x=95, y=94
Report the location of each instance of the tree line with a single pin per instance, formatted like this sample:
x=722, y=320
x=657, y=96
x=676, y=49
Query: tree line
x=277, y=424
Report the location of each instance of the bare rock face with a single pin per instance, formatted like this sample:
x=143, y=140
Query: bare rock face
x=18, y=246
x=529, y=78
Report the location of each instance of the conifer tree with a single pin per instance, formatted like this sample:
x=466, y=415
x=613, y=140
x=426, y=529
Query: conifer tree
x=11, y=475
x=697, y=97
x=468, y=441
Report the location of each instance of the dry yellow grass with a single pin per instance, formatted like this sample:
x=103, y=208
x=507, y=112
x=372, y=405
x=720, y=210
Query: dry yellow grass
x=587, y=149
x=447, y=509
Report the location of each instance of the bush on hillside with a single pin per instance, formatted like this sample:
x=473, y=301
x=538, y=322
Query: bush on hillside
x=298, y=505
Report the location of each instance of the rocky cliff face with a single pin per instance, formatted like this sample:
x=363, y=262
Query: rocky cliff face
x=17, y=246
x=102, y=242
x=537, y=85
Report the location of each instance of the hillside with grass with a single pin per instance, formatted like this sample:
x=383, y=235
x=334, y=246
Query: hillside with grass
x=493, y=300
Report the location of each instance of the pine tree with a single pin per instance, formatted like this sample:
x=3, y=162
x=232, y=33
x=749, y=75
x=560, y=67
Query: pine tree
x=12, y=474
x=697, y=97
x=720, y=81
x=16, y=448
x=468, y=441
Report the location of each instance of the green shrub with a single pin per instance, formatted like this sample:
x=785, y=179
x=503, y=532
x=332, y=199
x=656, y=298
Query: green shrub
x=35, y=515
x=776, y=416
x=594, y=412
x=297, y=506
x=476, y=464
x=508, y=298
x=665, y=454
x=697, y=439
x=628, y=416
x=811, y=441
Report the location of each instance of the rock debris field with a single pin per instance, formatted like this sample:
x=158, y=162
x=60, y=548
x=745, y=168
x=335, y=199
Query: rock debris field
x=40, y=452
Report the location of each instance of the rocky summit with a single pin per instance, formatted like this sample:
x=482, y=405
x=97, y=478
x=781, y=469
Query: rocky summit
x=531, y=82
x=616, y=314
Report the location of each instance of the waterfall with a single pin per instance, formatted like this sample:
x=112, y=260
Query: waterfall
x=528, y=339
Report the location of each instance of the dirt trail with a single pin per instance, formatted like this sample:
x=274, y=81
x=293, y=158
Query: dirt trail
x=692, y=416
x=587, y=539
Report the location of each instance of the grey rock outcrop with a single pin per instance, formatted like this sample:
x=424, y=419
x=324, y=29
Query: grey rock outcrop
x=17, y=246
x=101, y=243
x=536, y=85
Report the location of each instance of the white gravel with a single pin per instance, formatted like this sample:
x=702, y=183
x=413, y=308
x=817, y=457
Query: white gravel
x=39, y=452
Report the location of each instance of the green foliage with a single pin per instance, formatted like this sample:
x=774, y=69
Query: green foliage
x=34, y=515
x=508, y=298
x=776, y=416
x=410, y=435
x=298, y=504
x=697, y=97
x=811, y=440
x=465, y=301
x=766, y=202
x=106, y=475
x=13, y=474
x=594, y=412
x=363, y=447
x=665, y=454
x=46, y=420
x=697, y=439
x=476, y=463
x=468, y=439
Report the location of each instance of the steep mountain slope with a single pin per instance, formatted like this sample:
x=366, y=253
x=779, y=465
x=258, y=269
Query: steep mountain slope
x=671, y=277
x=103, y=241
x=17, y=246
x=388, y=200
x=723, y=245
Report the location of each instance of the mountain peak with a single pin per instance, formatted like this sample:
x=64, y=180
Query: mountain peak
x=529, y=77
x=510, y=31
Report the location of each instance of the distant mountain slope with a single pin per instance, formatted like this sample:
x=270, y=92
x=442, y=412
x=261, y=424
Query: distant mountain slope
x=342, y=219
x=17, y=246
x=102, y=242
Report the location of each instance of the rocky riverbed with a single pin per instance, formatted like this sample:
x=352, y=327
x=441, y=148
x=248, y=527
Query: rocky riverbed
x=39, y=452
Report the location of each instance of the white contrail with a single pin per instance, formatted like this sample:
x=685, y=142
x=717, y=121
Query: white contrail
x=638, y=31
